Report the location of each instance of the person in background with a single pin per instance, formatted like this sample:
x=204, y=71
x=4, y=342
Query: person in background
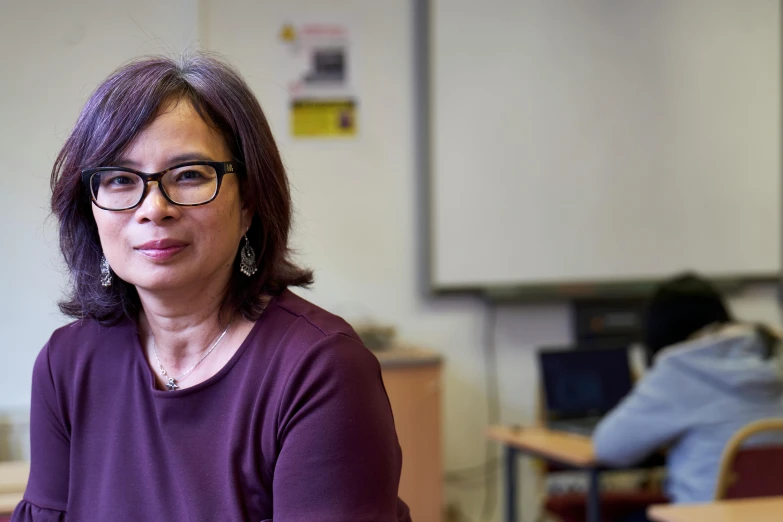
x=193, y=384
x=710, y=376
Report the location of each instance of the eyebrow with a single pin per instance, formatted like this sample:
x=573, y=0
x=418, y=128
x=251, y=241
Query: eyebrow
x=172, y=160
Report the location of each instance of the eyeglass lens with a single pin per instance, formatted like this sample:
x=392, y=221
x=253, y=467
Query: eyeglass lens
x=188, y=185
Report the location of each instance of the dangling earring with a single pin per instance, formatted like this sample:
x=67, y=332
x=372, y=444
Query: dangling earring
x=105, y=272
x=247, y=264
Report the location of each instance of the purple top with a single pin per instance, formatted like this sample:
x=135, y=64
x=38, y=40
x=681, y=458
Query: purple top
x=296, y=427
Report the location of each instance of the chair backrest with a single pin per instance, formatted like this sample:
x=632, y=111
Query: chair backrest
x=755, y=471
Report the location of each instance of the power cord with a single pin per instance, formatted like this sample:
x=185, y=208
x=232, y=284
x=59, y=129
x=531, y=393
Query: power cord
x=485, y=474
x=493, y=408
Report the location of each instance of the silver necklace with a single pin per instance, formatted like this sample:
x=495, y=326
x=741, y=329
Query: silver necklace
x=172, y=384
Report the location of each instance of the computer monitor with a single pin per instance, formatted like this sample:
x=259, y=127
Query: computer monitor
x=584, y=383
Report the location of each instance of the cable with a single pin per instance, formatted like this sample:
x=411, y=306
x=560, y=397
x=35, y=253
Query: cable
x=493, y=409
x=485, y=473
x=471, y=471
x=475, y=480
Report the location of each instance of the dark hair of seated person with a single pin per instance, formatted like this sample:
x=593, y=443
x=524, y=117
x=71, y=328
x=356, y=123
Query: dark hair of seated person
x=684, y=305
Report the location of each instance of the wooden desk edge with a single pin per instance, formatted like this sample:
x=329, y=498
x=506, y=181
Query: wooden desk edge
x=405, y=356
x=656, y=511
x=510, y=437
x=663, y=512
x=13, y=476
x=8, y=502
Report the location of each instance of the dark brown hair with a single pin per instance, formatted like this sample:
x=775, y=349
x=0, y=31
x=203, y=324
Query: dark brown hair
x=119, y=109
x=687, y=303
x=680, y=307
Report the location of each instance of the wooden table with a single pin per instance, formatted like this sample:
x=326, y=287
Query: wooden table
x=8, y=502
x=412, y=378
x=13, y=481
x=13, y=476
x=751, y=510
x=569, y=450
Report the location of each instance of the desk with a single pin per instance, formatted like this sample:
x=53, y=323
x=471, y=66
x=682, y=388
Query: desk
x=13, y=481
x=8, y=502
x=412, y=378
x=750, y=510
x=13, y=476
x=573, y=451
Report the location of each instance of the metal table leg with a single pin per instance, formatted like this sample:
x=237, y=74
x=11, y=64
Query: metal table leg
x=511, y=484
x=594, y=496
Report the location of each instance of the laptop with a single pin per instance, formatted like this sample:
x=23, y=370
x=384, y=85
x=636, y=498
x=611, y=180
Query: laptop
x=581, y=386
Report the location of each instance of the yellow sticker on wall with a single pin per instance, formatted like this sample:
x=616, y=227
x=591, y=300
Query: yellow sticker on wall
x=323, y=118
x=288, y=33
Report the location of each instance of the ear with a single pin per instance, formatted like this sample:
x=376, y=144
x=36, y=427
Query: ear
x=247, y=218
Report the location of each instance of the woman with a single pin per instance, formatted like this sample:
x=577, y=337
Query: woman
x=194, y=385
x=711, y=377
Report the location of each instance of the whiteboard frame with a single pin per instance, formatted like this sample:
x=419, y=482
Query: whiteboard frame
x=520, y=291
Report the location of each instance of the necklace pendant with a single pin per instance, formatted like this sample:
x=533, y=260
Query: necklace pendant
x=172, y=384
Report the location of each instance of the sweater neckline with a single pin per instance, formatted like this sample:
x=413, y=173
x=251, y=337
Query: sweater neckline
x=151, y=378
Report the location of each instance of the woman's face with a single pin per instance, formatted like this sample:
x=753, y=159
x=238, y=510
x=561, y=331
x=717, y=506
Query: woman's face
x=159, y=246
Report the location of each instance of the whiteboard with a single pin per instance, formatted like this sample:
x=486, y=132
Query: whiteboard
x=603, y=140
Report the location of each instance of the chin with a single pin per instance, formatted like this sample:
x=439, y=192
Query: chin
x=161, y=284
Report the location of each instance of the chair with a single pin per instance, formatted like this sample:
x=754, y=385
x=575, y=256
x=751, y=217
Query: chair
x=754, y=471
x=615, y=505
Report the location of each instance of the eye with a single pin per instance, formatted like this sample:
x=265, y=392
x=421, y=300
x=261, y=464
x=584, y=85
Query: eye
x=190, y=175
x=118, y=180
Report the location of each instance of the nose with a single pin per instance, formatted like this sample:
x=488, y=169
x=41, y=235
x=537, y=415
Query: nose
x=154, y=206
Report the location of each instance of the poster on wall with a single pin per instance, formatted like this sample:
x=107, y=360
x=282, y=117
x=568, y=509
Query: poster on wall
x=322, y=95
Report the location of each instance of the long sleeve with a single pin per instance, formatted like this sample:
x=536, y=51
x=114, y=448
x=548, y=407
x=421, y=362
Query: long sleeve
x=339, y=456
x=647, y=420
x=46, y=497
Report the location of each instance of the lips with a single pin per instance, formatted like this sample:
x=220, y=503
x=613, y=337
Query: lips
x=161, y=249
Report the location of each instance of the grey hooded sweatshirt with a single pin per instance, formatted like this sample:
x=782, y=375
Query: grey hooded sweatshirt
x=697, y=395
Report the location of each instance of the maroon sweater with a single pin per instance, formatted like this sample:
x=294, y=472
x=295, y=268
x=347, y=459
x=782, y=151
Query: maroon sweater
x=296, y=427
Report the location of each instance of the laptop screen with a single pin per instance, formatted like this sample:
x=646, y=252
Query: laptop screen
x=584, y=383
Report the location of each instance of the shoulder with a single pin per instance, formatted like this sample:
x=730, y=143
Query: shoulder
x=322, y=371
x=314, y=342
x=309, y=318
x=688, y=372
x=305, y=327
x=76, y=344
x=712, y=342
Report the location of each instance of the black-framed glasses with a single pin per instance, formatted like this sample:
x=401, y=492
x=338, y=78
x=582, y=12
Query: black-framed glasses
x=187, y=184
